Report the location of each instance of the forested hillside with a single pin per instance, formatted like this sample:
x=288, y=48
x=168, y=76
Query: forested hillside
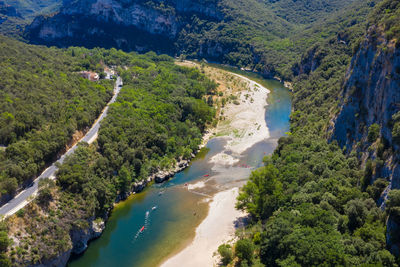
x=368, y=120
x=305, y=12
x=43, y=103
x=312, y=204
x=327, y=195
x=264, y=36
x=16, y=14
x=157, y=120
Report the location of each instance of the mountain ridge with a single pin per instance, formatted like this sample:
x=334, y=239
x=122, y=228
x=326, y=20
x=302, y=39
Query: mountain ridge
x=241, y=33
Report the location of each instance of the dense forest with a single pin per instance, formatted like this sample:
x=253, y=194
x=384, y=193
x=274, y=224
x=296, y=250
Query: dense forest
x=16, y=14
x=268, y=36
x=312, y=204
x=43, y=103
x=158, y=120
x=264, y=36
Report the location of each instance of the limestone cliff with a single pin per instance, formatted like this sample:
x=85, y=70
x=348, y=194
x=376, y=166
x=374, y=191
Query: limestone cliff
x=371, y=96
x=79, y=237
x=371, y=100
x=130, y=25
x=79, y=241
x=309, y=62
x=8, y=10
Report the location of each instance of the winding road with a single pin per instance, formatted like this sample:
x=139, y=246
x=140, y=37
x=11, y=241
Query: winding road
x=24, y=197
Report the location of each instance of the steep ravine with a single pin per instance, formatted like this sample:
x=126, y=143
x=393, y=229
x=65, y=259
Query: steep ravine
x=371, y=96
x=196, y=29
x=128, y=25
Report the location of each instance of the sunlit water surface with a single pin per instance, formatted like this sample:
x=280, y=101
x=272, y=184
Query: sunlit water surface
x=171, y=226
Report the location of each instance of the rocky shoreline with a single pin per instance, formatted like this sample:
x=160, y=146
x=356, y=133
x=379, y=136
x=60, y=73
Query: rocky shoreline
x=158, y=177
x=81, y=237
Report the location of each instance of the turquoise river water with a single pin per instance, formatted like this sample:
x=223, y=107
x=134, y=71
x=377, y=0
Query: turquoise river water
x=171, y=226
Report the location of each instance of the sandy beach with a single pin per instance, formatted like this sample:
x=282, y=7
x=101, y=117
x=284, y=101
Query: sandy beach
x=243, y=126
x=248, y=118
x=200, y=184
x=211, y=233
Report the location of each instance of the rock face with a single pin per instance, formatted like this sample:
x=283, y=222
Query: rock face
x=8, y=10
x=162, y=176
x=158, y=177
x=130, y=25
x=372, y=96
x=392, y=227
x=81, y=237
x=61, y=260
x=310, y=62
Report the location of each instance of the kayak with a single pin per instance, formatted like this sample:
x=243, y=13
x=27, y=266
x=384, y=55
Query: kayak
x=142, y=229
x=206, y=175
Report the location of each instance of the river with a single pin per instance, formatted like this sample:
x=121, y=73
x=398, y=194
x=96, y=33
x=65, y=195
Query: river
x=171, y=226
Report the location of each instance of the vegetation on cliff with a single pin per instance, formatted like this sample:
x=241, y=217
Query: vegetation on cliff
x=265, y=36
x=270, y=36
x=157, y=120
x=312, y=204
x=16, y=14
x=387, y=16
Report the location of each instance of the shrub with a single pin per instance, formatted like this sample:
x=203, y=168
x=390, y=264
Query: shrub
x=244, y=250
x=396, y=133
x=373, y=132
x=44, y=196
x=368, y=172
x=375, y=190
x=4, y=241
x=226, y=253
x=393, y=204
x=20, y=213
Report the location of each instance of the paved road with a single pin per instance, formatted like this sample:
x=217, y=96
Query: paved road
x=25, y=196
